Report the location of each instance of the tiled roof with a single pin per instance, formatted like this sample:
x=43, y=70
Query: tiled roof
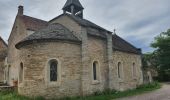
x=122, y=45
x=100, y=31
x=83, y=22
x=53, y=32
x=33, y=23
x=96, y=33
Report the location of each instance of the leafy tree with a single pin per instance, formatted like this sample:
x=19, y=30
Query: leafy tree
x=162, y=45
x=149, y=60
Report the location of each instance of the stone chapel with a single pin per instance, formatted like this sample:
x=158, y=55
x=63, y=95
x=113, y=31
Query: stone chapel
x=69, y=56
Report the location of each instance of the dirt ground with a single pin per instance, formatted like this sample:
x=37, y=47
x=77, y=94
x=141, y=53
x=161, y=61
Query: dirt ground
x=161, y=94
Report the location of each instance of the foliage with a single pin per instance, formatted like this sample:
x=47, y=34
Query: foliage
x=13, y=95
x=149, y=86
x=162, y=45
x=105, y=95
x=149, y=60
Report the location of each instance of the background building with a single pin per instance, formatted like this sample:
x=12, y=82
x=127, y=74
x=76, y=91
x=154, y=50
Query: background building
x=3, y=54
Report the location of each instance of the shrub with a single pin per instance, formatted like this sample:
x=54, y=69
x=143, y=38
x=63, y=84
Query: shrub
x=149, y=85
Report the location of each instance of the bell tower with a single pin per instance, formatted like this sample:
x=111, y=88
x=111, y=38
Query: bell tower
x=73, y=7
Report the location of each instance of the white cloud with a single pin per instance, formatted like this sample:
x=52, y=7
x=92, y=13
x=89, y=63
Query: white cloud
x=140, y=19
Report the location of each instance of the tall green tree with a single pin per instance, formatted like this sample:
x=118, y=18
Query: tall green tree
x=162, y=46
x=149, y=60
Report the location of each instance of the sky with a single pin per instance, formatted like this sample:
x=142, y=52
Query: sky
x=137, y=21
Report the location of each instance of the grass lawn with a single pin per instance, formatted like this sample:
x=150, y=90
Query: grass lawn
x=106, y=95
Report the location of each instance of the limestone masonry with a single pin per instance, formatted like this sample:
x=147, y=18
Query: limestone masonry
x=69, y=56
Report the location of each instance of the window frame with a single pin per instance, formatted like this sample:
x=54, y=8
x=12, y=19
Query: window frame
x=98, y=75
x=55, y=70
x=134, y=70
x=95, y=71
x=120, y=70
x=21, y=73
x=47, y=73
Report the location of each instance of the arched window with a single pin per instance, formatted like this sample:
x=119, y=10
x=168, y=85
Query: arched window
x=133, y=70
x=53, y=70
x=21, y=71
x=9, y=73
x=119, y=69
x=95, y=70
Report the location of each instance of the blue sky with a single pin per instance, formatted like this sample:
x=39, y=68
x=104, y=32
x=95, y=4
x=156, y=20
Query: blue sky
x=137, y=21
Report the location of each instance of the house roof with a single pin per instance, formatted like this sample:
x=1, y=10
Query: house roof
x=33, y=23
x=53, y=32
x=122, y=45
x=81, y=21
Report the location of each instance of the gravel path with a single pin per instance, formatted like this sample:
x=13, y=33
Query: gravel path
x=161, y=94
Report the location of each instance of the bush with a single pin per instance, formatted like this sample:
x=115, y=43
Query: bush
x=105, y=92
x=149, y=86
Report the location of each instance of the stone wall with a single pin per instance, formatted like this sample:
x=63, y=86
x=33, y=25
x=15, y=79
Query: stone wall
x=70, y=24
x=35, y=59
x=18, y=33
x=2, y=45
x=128, y=81
x=76, y=74
x=3, y=54
x=1, y=70
x=96, y=50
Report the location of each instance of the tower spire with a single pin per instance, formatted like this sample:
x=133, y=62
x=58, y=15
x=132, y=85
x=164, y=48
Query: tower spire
x=73, y=7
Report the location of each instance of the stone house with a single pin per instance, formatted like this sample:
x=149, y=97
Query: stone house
x=69, y=56
x=3, y=54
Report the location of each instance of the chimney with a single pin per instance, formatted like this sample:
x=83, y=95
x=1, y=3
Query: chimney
x=20, y=10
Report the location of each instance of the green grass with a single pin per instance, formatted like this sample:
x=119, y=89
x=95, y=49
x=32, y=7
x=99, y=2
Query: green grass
x=12, y=95
x=105, y=95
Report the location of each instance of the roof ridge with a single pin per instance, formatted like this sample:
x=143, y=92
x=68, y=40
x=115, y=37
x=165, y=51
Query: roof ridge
x=126, y=41
x=83, y=22
x=33, y=23
x=123, y=45
x=88, y=22
x=34, y=18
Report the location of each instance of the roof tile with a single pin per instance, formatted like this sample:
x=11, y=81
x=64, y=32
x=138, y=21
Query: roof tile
x=53, y=32
x=122, y=45
x=33, y=23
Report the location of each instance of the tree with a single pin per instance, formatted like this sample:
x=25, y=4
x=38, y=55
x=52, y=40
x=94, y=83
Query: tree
x=149, y=60
x=162, y=45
